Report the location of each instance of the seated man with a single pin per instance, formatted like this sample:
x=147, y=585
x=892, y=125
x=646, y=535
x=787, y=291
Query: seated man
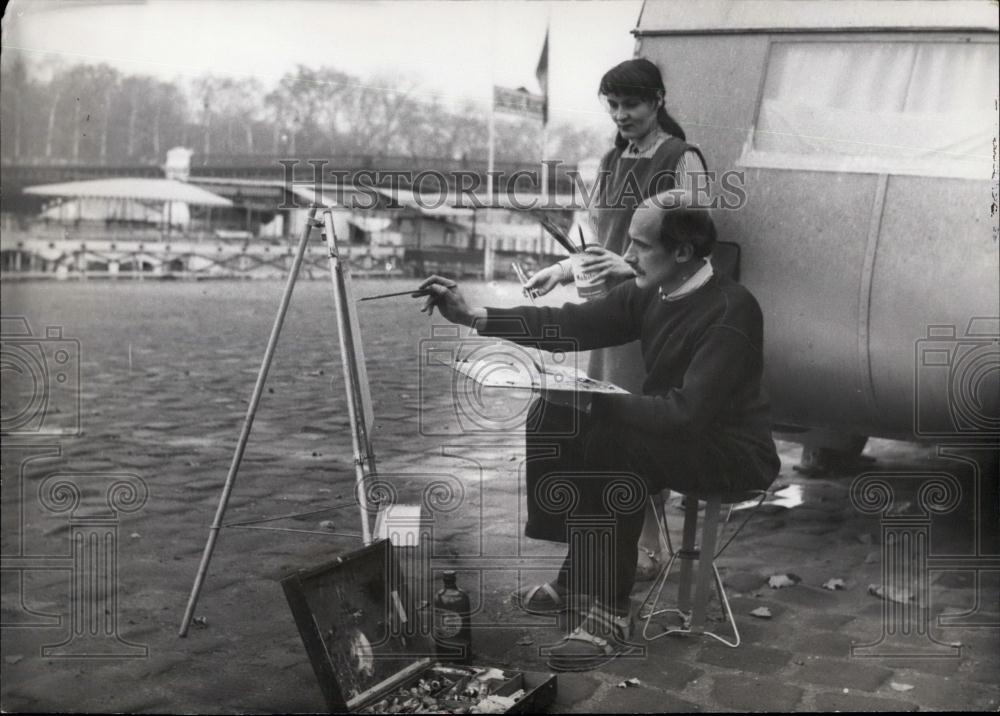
x=701, y=424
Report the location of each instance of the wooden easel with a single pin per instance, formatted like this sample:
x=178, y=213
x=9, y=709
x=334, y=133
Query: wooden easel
x=359, y=403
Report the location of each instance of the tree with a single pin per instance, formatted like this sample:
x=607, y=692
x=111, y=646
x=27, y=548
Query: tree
x=138, y=93
x=204, y=90
x=238, y=103
x=17, y=93
x=91, y=90
x=572, y=145
x=57, y=87
x=469, y=134
x=105, y=82
x=93, y=113
x=170, y=123
x=383, y=113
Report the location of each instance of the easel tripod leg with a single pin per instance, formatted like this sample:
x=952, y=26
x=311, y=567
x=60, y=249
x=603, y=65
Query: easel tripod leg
x=241, y=444
x=352, y=364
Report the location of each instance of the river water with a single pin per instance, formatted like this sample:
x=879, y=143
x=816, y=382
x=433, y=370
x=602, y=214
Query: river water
x=105, y=357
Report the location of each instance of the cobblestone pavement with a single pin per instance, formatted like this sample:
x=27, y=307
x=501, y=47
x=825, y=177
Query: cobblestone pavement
x=821, y=649
x=161, y=400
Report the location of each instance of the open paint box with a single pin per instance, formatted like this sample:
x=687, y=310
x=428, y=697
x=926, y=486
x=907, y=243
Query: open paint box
x=371, y=652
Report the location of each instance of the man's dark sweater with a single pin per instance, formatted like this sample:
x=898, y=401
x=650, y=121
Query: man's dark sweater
x=703, y=359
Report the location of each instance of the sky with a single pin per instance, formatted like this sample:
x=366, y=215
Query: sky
x=454, y=50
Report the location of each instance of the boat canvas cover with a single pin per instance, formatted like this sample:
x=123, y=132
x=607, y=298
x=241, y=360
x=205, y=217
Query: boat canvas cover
x=140, y=189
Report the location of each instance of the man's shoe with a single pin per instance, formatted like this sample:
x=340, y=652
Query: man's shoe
x=601, y=636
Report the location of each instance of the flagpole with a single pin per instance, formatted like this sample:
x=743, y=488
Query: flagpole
x=545, y=166
x=490, y=152
x=545, y=176
x=542, y=74
x=490, y=158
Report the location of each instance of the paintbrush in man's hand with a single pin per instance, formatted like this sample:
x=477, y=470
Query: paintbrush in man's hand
x=416, y=293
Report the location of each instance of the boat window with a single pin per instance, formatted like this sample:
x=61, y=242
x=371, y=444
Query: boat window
x=925, y=108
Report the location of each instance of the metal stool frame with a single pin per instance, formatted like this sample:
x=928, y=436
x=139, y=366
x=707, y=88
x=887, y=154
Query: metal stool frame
x=693, y=616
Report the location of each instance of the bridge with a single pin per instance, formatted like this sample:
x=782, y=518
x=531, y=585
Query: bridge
x=259, y=186
x=416, y=173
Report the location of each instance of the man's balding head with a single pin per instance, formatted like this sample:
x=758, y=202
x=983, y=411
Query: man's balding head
x=676, y=218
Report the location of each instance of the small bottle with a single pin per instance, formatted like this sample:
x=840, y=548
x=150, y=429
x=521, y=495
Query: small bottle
x=452, y=622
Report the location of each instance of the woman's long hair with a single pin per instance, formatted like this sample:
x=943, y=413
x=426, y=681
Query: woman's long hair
x=640, y=79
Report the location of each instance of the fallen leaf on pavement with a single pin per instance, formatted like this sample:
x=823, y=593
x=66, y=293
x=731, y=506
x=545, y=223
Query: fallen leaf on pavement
x=833, y=584
x=896, y=686
x=777, y=581
x=761, y=613
x=901, y=596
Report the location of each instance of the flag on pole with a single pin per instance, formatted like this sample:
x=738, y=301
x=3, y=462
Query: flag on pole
x=542, y=74
x=518, y=101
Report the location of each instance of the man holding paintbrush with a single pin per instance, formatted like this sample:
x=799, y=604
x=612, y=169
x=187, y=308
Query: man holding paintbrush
x=701, y=423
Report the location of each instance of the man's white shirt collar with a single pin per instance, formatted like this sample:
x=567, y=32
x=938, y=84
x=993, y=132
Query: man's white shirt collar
x=696, y=281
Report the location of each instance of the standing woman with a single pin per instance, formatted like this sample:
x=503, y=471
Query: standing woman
x=651, y=155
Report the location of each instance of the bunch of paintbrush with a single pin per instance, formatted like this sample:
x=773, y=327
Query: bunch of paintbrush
x=558, y=234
